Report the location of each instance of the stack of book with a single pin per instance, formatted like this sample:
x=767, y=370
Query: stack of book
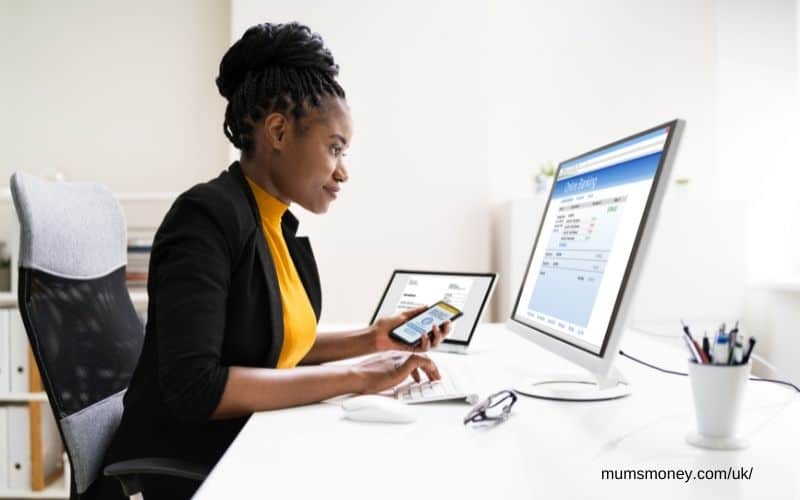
x=139, y=248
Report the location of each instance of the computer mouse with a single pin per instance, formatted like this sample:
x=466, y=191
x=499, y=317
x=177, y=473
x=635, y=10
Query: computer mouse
x=372, y=408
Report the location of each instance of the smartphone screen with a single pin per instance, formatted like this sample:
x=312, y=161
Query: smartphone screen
x=412, y=330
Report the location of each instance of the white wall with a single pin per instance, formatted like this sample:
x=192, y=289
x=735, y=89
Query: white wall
x=120, y=93
x=414, y=73
x=757, y=132
x=572, y=75
x=759, y=108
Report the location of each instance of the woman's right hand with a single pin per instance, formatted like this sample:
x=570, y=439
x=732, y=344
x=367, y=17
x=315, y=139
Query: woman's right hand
x=388, y=369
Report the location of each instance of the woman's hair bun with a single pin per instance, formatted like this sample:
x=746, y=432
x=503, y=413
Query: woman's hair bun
x=271, y=45
x=282, y=68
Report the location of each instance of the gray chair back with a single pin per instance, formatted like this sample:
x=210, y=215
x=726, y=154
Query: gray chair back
x=81, y=324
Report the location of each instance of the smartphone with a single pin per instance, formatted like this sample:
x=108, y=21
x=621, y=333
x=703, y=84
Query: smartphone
x=411, y=332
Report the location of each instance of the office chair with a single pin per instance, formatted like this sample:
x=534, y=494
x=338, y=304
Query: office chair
x=81, y=324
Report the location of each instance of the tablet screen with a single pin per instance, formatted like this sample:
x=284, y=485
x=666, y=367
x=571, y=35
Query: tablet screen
x=466, y=291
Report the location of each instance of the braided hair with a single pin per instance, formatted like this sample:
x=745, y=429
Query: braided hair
x=273, y=68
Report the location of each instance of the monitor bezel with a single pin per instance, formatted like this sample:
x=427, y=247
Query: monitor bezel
x=638, y=245
x=485, y=300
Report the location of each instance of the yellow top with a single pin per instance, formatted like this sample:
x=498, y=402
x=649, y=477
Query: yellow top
x=299, y=321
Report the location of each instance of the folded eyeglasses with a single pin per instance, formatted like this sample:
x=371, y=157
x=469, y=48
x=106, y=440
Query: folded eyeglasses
x=496, y=407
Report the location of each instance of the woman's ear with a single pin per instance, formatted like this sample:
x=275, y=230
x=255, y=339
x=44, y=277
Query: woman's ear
x=275, y=130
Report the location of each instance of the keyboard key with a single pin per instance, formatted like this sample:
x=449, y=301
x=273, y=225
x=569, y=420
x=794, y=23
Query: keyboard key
x=438, y=390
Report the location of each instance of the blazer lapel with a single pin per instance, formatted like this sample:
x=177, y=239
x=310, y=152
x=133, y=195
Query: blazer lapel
x=268, y=267
x=303, y=258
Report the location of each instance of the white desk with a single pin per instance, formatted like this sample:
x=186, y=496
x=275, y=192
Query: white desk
x=545, y=450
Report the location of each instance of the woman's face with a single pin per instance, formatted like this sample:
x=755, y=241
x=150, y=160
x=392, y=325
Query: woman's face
x=309, y=167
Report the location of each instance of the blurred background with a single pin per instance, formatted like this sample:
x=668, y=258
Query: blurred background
x=458, y=108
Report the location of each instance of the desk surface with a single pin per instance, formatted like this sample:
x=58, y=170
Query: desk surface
x=545, y=450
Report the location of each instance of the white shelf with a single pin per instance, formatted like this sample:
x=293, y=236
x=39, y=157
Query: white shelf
x=139, y=299
x=57, y=490
x=8, y=300
x=22, y=397
x=5, y=195
x=162, y=196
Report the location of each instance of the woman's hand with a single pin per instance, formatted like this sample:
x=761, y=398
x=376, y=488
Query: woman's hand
x=388, y=369
x=382, y=327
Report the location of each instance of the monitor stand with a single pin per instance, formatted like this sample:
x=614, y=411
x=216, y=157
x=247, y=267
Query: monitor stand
x=576, y=388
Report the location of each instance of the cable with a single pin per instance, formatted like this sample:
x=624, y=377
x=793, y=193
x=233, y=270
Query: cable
x=684, y=374
x=645, y=363
x=774, y=381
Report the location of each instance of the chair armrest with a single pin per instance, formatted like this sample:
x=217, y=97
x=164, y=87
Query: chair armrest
x=128, y=471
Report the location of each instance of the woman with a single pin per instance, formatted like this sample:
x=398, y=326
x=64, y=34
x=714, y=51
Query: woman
x=234, y=295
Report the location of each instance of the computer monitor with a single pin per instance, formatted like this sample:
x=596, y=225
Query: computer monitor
x=586, y=257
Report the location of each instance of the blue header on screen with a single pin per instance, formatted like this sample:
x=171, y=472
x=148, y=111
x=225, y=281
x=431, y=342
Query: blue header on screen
x=637, y=169
x=611, y=149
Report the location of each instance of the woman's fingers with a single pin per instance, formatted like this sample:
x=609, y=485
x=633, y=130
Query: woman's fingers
x=436, y=336
x=430, y=369
x=398, y=319
x=447, y=327
x=387, y=370
x=424, y=343
x=419, y=361
x=439, y=333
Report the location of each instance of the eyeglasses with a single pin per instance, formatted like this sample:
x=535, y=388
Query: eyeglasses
x=490, y=409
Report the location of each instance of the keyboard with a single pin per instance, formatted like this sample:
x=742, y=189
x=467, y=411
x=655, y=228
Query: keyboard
x=440, y=390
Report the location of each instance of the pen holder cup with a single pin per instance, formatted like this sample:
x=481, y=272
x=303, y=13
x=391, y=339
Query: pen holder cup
x=718, y=392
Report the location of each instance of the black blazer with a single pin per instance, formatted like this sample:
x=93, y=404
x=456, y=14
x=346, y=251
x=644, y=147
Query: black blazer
x=214, y=302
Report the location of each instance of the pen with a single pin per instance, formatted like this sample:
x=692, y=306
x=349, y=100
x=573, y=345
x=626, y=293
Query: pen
x=697, y=353
x=706, y=345
x=737, y=353
x=752, y=343
x=731, y=346
x=703, y=356
x=686, y=329
x=692, y=349
x=733, y=339
x=721, y=351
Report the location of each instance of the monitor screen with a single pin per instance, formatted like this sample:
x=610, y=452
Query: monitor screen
x=587, y=240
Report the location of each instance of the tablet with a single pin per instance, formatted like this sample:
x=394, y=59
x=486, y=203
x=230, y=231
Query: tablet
x=467, y=291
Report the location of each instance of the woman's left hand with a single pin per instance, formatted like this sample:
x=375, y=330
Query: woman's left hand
x=382, y=327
